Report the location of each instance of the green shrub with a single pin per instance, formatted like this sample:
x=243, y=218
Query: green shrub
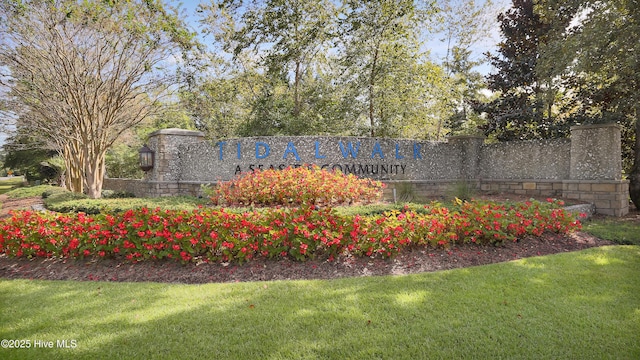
x=31, y=191
x=110, y=194
x=296, y=186
x=118, y=205
x=64, y=202
x=53, y=191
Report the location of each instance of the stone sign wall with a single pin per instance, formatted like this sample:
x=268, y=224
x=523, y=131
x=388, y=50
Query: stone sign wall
x=586, y=167
x=383, y=159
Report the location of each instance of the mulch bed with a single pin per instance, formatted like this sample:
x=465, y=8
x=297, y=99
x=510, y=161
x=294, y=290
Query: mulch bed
x=411, y=262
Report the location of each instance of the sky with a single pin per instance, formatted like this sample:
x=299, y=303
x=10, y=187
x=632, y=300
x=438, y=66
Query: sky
x=436, y=47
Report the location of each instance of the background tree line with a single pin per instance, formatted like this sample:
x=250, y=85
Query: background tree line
x=294, y=67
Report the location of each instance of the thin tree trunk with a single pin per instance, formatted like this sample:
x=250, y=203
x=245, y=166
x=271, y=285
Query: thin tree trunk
x=634, y=176
x=74, y=164
x=372, y=80
x=296, y=95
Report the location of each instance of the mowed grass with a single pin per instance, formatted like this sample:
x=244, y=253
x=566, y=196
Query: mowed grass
x=621, y=231
x=581, y=305
x=10, y=183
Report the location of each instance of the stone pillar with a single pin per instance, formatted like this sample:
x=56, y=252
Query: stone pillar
x=470, y=147
x=596, y=169
x=596, y=152
x=165, y=144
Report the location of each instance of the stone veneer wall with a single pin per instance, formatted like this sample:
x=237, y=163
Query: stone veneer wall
x=586, y=167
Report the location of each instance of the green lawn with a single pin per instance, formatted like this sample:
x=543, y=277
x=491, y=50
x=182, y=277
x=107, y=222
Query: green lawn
x=621, y=231
x=582, y=305
x=10, y=183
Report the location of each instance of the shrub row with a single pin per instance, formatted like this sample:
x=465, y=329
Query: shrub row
x=299, y=233
x=296, y=186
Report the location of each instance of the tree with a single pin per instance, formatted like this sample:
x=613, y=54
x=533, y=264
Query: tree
x=25, y=153
x=380, y=57
x=286, y=35
x=461, y=25
x=600, y=54
x=525, y=107
x=87, y=71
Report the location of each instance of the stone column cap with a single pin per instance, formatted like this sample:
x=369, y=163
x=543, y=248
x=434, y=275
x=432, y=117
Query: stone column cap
x=595, y=126
x=463, y=137
x=177, y=132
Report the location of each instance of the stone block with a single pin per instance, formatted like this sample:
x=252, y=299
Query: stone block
x=587, y=197
x=570, y=186
x=604, y=187
x=574, y=196
x=544, y=186
x=529, y=186
x=584, y=187
x=609, y=212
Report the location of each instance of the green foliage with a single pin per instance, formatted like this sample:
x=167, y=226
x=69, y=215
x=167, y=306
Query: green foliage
x=117, y=50
x=122, y=162
x=353, y=70
x=119, y=202
x=31, y=191
x=296, y=186
x=382, y=208
x=110, y=194
x=597, y=59
x=65, y=202
x=28, y=161
x=525, y=107
x=404, y=192
x=53, y=191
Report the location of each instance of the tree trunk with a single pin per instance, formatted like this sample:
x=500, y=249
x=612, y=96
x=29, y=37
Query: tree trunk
x=372, y=81
x=74, y=164
x=296, y=95
x=634, y=176
x=94, y=168
x=94, y=176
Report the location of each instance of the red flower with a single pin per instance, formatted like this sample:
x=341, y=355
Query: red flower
x=73, y=244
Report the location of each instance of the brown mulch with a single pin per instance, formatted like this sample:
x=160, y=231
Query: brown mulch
x=7, y=204
x=410, y=262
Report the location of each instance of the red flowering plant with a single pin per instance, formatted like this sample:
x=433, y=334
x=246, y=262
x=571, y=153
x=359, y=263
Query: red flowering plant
x=303, y=232
x=296, y=186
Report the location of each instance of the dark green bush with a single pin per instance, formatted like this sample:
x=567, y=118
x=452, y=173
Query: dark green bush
x=53, y=191
x=110, y=194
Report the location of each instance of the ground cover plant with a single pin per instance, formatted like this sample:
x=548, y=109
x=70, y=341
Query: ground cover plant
x=578, y=305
